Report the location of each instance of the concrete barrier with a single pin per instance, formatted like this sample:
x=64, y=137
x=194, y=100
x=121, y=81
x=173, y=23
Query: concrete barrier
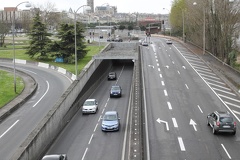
x=34, y=147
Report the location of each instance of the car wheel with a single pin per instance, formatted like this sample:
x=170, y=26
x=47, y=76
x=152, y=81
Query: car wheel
x=214, y=131
x=234, y=133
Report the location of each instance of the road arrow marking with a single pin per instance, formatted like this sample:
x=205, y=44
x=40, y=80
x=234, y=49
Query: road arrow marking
x=193, y=124
x=159, y=121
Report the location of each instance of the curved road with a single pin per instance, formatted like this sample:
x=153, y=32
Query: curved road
x=15, y=129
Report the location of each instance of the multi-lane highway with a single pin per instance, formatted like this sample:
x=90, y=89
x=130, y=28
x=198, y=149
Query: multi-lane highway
x=15, y=129
x=180, y=91
x=83, y=137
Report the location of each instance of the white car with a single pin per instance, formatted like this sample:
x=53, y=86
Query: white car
x=169, y=41
x=90, y=106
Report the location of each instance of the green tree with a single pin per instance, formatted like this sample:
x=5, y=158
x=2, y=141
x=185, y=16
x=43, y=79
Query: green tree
x=65, y=47
x=39, y=39
x=4, y=29
x=121, y=27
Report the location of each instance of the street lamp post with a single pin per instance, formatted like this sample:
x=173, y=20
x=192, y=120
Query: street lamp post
x=13, y=33
x=204, y=28
x=75, y=38
x=98, y=19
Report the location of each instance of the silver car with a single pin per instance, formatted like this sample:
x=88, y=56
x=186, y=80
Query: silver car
x=111, y=121
x=55, y=157
x=90, y=106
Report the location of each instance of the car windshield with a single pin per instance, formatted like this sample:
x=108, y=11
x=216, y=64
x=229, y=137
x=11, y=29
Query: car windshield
x=89, y=103
x=112, y=73
x=110, y=117
x=115, y=88
x=226, y=119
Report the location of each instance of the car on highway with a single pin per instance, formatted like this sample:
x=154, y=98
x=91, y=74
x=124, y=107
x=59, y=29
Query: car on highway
x=55, y=157
x=144, y=43
x=115, y=91
x=118, y=39
x=112, y=76
x=90, y=106
x=221, y=122
x=111, y=121
x=169, y=41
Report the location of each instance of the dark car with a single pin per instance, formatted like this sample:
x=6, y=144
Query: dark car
x=221, y=122
x=118, y=39
x=55, y=157
x=112, y=76
x=116, y=91
x=110, y=121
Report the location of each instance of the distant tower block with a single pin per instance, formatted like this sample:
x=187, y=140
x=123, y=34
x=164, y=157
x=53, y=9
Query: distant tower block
x=91, y=4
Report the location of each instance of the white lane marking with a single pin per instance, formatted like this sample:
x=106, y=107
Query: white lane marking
x=169, y=105
x=156, y=60
x=180, y=141
x=84, y=153
x=220, y=95
x=226, y=151
x=28, y=71
x=157, y=64
x=201, y=66
x=42, y=95
x=205, y=75
x=95, y=127
x=160, y=75
x=162, y=83
x=165, y=93
x=159, y=69
x=193, y=124
x=90, y=139
x=234, y=105
x=172, y=62
x=186, y=86
x=9, y=128
x=212, y=84
x=224, y=91
x=162, y=121
x=201, y=71
x=200, y=109
x=214, y=81
x=178, y=72
x=236, y=112
x=175, y=122
x=193, y=61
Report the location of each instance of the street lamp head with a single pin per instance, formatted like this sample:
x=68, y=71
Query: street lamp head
x=28, y=5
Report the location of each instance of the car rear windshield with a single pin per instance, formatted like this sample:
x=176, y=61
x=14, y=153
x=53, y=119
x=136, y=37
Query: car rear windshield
x=226, y=119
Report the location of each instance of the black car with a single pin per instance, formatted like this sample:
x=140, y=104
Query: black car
x=112, y=76
x=116, y=91
x=221, y=122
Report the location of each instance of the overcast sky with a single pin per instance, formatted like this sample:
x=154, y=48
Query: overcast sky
x=125, y=6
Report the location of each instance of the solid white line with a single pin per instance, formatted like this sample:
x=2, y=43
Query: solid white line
x=212, y=84
x=180, y=141
x=201, y=66
x=206, y=72
x=84, y=153
x=175, y=122
x=220, y=95
x=226, y=151
x=90, y=139
x=236, y=112
x=42, y=95
x=9, y=128
x=165, y=93
x=192, y=61
x=234, y=105
x=214, y=81
x=224, y=91
x=205, y=75
x=200, y=109
x=169, y=105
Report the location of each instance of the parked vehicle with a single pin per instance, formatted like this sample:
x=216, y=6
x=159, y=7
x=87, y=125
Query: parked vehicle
x=111, y=121
x=221, y=122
